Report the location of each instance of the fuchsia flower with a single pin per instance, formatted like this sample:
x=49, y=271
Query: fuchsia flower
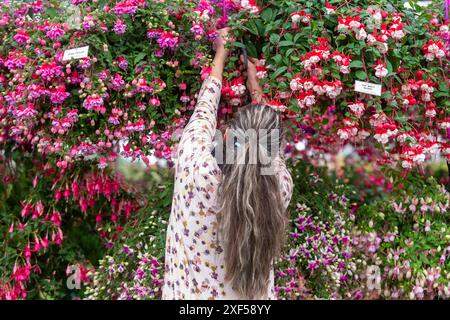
x=54, y=31
x=249, y=5
x=385, y=131
x=276, y=105
x=197, y=29
x=120, y=27
x=154, y=33
x=125, y=7
x=342, y=61
x=357, y=108
x=168, y=40
x=77, y=2
x=122, y=63
x=25, y=112
x=93, y=102
x=380, y=69
x=117, y=82
x=433, y=49
x=348, y=23
x=302, y=16
x=329, y=9
x=88, y=23
x=59, y=95
x=21, y=36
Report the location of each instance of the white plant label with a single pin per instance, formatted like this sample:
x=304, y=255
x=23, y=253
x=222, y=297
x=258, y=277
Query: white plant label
x=77, y=53
x=367, y=87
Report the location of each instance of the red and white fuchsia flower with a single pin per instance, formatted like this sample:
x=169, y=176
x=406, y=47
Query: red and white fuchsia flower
x=433, y=50
x=357, y=108
x=276, y=105
x=342, y=61
x=301, y=16
x=380, y=69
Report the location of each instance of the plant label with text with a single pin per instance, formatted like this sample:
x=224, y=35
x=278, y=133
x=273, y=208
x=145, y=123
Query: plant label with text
x=76, y=53
x=367, y=87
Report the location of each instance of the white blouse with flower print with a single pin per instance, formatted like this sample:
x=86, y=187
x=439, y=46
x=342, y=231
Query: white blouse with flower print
x=194, y=266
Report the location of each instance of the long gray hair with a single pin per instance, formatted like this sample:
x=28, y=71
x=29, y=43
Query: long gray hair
x=251, y=219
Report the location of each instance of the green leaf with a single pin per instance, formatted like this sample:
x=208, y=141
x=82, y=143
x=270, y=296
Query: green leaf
x=361, y=75
x=285, y=43
x=387, y=95
x=356, y=64
x=240, y=45
x=139, y=57
x=274, y=38
x=278, y=72
x=267, y=14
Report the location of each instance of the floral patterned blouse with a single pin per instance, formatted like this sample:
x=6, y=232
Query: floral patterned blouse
x=194, y=267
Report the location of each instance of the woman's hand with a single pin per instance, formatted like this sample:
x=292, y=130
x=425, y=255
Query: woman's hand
x=223, y=40
x=256, y=92
x=220, y=46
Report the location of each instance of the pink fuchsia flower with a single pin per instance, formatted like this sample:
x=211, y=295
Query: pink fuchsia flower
x=85, y=63
x=197, y=29
x=88, y=23
x=125, y=7
x=154, y=33
x=117, y=82
x=120, y=27
x=168, y=40
x=77, y=2
x=15, y=61
x=185, y=98
x=93, y=102
x=48, y=71
x=59, y=95
x=25, y=112
x=154, y=101
x=22, y=36
x=54, y=31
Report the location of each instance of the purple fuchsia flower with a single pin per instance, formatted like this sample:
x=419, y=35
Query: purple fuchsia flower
x=168, y=40
x=154, y=33
x=21, y=36
x=48, y=71
x=117, y=82
x=88, y=23
x=59, y=95
x=197, y=29
x=85, y=63
x=120, y=27
x=93, y=102
x=125, y=7
x=78, y=2
x=25, y=112
x=54, y=31
x=122, y=63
